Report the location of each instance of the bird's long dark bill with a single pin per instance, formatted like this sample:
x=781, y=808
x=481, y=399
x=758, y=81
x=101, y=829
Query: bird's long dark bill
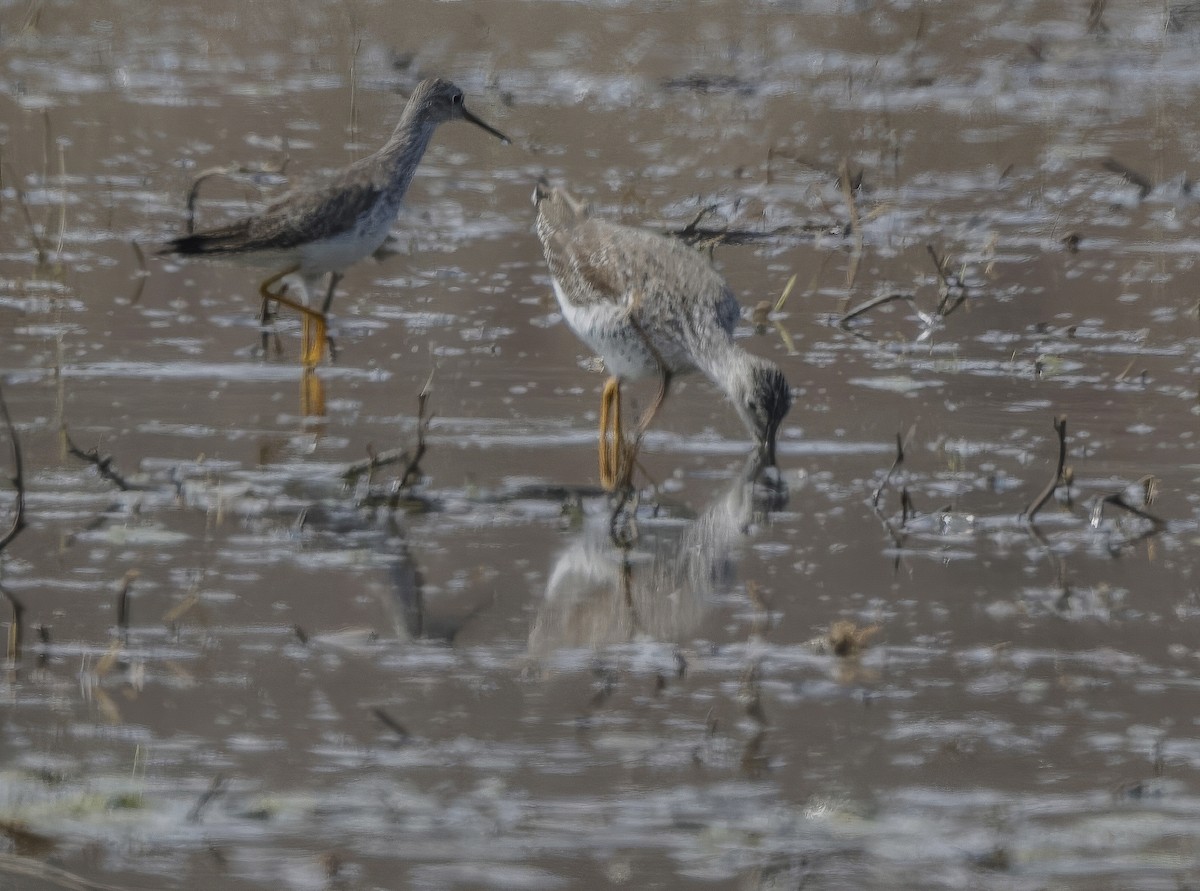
x=479, y=122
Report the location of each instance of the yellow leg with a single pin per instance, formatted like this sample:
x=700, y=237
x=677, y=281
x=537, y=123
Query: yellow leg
x=313, y=331
x=312, y=395
x=611, y=436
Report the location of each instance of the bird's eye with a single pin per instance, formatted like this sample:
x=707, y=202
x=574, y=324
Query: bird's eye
x=457, y=99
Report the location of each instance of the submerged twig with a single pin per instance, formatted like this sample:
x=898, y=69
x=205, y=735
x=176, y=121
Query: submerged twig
x=18, y=477
x=16, y=865
x=888, y=476
x=103, y=464
x=1060, y=428
x=688, y=233
x=698, y=236
x=1118, y=500
x=38, y=247
x=215, y=788
x=392, y=724
x=874, y=303
x=411, y=459
x=849, y=187
x=123, y=599
x=16, y=628
x=949, y=285
x=228, y=170
x=1144, y=184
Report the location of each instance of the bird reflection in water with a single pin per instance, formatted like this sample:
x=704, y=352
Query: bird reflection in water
x=604, y=591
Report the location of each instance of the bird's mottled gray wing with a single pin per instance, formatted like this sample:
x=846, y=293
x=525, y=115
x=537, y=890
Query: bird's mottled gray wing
x=613, y=263
x=295, y=218
x=311, y=215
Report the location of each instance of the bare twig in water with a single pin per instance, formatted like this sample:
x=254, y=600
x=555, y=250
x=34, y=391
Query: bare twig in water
x=1095, y=19
x=1118, y=500
x=951, y=285
x=228, y=170
x=16, y=628
x=888, y=476
x=103, y=464
x=392, y=724
x=689, y=233
x=30, y=227
x=18, y=477
x=1144, y=184
x=1060, y=428
x=750, y=694
x=849, y=187
x=705, y=237
x=123, y=599
x=215, y=788
x=874, y=303
x=16, y=865
x=140, y=256
x=410, y=459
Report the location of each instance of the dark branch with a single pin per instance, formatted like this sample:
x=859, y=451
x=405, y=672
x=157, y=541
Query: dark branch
x=18, y=478
x=888, y=476
x=1060, y=427
x=103, y=464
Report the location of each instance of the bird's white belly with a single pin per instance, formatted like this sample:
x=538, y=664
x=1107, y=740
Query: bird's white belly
x=606, y=329
x=335, y=254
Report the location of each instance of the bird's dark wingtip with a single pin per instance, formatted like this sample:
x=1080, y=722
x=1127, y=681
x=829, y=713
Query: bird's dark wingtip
x=167, y=248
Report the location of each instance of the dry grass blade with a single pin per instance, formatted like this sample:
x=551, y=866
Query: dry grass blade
x=787, y=290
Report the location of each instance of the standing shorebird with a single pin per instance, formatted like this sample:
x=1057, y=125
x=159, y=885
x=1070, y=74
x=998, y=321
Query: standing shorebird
x=311, y=232
x=651, y=306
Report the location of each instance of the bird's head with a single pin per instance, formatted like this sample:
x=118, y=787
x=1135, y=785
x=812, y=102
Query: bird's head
x=438, y=101
x=557, y=207
x=762, y=397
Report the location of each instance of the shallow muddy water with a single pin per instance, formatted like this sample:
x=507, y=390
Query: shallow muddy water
x=243, y=672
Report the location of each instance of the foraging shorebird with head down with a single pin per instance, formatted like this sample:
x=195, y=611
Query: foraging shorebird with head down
x=650, y=306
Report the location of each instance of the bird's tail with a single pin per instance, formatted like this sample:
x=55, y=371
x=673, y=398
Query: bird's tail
x=210, y=241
